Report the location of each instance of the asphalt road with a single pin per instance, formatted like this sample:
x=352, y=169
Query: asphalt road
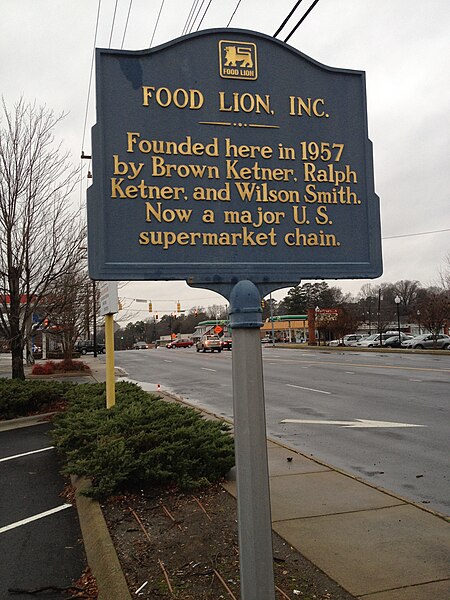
x=40, y=537
x=338, y=388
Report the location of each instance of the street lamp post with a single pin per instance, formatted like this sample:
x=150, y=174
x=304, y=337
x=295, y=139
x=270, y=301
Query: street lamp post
x=397, y=301
x=418, y=319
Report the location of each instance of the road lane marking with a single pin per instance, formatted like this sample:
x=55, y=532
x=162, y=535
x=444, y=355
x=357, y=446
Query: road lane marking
x=357, y=423
x=165, y=360
x=34, y=518
x=350, y=372
x=329, y=362
x=308, y=389
x=206, y=369
x=26, y=454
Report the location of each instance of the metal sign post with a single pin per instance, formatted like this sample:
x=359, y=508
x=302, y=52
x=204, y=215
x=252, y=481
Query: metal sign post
x=254, y=517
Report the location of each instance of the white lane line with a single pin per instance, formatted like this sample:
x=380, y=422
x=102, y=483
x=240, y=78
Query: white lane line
x=26, y=454
x=34, y=517
x=308, y=389
x=416, y=380
x=350, y=372
x=165, y=360
x=205, y=369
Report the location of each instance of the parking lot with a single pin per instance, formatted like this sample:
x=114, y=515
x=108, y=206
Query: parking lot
x=40, y=538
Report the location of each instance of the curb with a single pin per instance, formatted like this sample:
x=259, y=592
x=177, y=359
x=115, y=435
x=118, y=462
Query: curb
x=100, y=552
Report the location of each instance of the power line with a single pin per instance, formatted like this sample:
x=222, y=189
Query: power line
x=126, y=24
x=189, y=17
x=196, y=15
x=112, y=25
x=287, y=18
x=209, y=4
x=392, y=237
x=157, y=21
x=234, y=12
x=90, y=75
x=302, y=19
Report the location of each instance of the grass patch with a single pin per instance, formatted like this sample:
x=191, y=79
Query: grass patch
x=142, y=441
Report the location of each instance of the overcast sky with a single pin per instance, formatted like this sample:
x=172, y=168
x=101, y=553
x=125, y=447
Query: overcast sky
x=403, y=45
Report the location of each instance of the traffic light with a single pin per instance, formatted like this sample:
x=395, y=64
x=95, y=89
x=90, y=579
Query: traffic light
x=178, y=306
x=196, y=312
x=150, y=307
x=156, y=317
x=263, y=303
x=120, y=305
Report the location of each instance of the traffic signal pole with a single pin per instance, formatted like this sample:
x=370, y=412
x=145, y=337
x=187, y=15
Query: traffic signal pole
x=253, y=495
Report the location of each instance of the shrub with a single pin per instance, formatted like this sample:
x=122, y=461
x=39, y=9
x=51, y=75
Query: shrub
x=141, y=441
x=62, y=366
x=47, y=368
x=20, y=398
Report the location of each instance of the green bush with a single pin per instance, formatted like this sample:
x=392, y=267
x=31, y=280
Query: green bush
x=142, y=441
x=20, y=398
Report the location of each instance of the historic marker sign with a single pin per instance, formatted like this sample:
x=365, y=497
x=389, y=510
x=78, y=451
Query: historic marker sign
x=228, y=155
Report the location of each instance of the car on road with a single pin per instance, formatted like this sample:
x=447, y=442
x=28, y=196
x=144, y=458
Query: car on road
x=226, y=342
x=209, y=342
x=86, y=346
x=348, y=340
x=428, y=340
x=140, y=346
x=180, y=344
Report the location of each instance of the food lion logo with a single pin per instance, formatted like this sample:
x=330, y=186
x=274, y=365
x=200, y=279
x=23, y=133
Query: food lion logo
x=238, y=60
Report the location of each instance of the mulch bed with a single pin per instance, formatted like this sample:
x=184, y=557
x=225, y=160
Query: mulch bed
x=185, y=546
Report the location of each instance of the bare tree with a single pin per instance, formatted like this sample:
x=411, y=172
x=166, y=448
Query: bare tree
x=435, y=309
x=40, y=238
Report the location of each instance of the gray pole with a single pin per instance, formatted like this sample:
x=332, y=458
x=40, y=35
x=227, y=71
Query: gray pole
x=254, y=517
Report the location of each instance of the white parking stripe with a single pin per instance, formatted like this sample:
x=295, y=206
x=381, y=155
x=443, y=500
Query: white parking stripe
x=308, y=389
x=34, y=518
x=26, y=454
x=205, y=369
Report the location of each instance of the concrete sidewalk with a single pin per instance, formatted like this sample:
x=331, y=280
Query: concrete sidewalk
x=376, y=545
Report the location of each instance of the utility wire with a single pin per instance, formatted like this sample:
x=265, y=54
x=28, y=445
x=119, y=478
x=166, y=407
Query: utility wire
x=234, y=12
x=196, y=15
x=157, y=21
x=302, y=19
x=126, y=24
x=287, y=18
x=189, y=17
x=90, y=75
x=113, y=22
x=209, y=4
x=392, y=237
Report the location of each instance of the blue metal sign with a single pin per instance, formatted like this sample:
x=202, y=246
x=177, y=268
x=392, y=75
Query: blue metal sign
x=228, y=155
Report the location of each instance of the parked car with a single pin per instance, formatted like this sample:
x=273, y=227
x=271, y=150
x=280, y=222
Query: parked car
x=266, y=340
x=226, y=342
x=374, y=340
x=86, y=346
x=348, y=340
x=209, y=342
x=180, y=344
x=395, y=341
x=428, y=340
x=140, y=346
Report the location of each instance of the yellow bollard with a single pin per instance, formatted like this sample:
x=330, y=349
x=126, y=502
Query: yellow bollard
x=110, y=379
